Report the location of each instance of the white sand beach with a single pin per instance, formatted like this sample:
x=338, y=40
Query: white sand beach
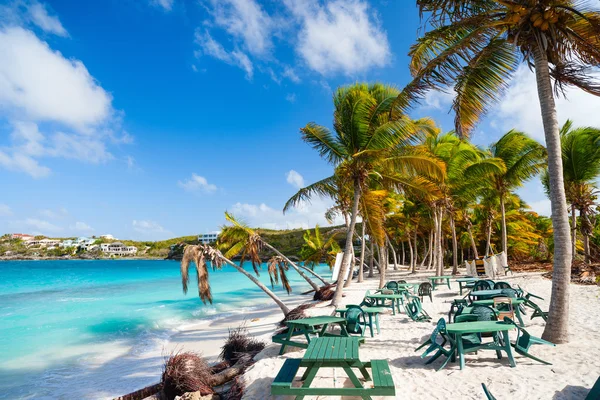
x=575, y=366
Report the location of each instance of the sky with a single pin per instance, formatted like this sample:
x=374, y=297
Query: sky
x=147, y=119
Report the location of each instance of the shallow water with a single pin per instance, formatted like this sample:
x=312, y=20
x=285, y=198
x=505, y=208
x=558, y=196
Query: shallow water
x=66, y=325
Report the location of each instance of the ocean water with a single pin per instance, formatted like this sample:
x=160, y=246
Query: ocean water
x=69, y=327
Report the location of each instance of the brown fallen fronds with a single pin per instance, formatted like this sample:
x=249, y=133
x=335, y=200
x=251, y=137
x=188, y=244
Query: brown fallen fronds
x=142, y=393
x=186, y=372
x=239, y=343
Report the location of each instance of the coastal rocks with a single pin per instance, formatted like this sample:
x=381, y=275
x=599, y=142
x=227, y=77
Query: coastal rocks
x=198, y=396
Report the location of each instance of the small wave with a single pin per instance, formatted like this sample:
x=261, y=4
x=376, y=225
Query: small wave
x=79, y=299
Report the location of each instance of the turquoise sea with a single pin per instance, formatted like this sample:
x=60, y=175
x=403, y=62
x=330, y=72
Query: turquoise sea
x=67, y=327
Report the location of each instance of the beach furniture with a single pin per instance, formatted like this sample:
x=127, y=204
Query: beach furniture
x=465, y=283
x=401, y=281
x=425, y=289
x=334, y=352
x=432, y=342
x=456, y=308
x=462, y=330
x=484, y=294
x=309, y=328
x=594, y=393
x=392, y=285
x=524, y=341
x=414, y=310
x=380, y=300
x=504, y=307
x=408, y=285
x=372, y=313
x=537, y=311
x=446, y=278
x=501, y=285
x=487, y=392
x=516, y=302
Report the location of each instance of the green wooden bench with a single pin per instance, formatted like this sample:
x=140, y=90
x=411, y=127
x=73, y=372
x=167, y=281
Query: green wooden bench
x=333, y=352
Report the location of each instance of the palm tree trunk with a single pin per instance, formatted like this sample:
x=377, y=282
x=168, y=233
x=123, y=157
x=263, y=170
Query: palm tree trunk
x=298, y=270
x=410, y=248
x=573, y=232
x=258, y=283
x=557, y=327
x=403, y=253
x=430, y=263
x=504, y=233
x=362, y=253
x=454, y=246
x=349, y=250
x=473, y=245
x=371, y=260
x=426, y=254
x=383, y=256
x=394, y=257
x=414, y=267
x=489, y=237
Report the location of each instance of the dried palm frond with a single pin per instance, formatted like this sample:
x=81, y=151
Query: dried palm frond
x=296, y=313
x=236, y=391
x=277, y=267
x=197, y=255
x=238, y=344
x=185, y=372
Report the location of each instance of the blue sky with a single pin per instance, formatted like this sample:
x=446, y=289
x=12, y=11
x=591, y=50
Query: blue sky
x=148, y=119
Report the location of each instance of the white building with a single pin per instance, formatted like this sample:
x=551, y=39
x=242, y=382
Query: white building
x=22, y=236
x=208, y=238
x=49, y=242
x=118, y=249
x=108, y=237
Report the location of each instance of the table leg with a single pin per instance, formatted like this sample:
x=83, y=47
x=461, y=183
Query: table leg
x=518, y=314
x=461, y=350
x=309, y=376
x=460, y=287
x=363, y=370
x=377, y=323
x=511, y=360
x=393, y=306
x=448, y=283
x=352, y=376
x=287, y=339
x=370, y=323
x=323, y=330
x=343, y=330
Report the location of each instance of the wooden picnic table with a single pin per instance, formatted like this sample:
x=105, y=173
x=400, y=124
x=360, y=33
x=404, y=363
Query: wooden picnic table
x=516, y=302
x=486, y=294
x=334, y=352
x=465, y=283
x=464, y=328
x=370, y=311
x=307, y=327
x=440, y=278
x=380, y=299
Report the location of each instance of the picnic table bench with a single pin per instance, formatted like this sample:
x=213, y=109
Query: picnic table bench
x=370, y=311
x=486, y=294
x=466, y=283
x=380, y=298
x=307, y=327
x=464, y=328
x=334, y=352
x=433, y=280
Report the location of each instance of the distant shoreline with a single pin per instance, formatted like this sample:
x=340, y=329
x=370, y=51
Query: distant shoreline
x=38, y=258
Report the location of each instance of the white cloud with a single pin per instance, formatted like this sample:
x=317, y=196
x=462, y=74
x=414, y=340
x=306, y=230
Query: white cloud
x=166, y=5
x=197, y=183
x=56, y=108
x=41, y=226
x=305, y=216
x=81, y=227
x=38, y=14
x=520, y=107
x=147, y=226
x=289, y=72
x=60, y=213
x=291, y=97
x=542, y=207
x=341, y=36
x=210, y=47
x=5, y=211
x=295, y=179
x=438, y=100
x=246, y=22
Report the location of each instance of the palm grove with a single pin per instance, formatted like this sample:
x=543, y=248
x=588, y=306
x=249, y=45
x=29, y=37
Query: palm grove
x=434, y=196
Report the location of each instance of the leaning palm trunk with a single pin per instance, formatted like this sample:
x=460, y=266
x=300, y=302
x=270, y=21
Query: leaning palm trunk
x=504, y=233
x=473, y=245
x=557, y=327
x=488, y=243
x=371, y=261
x=573, y=233
x=362, y=254
x=430, y=263
x=394, y=257
x=410, y=249
x=349, y=250
x=426, y=253
x=454, y=246
x=298, y=270
x=414, y=266
x=384, y=265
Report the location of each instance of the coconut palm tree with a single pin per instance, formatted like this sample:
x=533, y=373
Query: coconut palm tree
x=368, y=133
x=524, y=159
x=476, y=46
x=239, y=238
x=200, y=255
x=315, y=249
x=581, y=167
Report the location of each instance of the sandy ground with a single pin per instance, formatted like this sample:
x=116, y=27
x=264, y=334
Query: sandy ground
x=576, y=365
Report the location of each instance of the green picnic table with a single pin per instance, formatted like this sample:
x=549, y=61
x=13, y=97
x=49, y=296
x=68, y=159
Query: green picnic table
x=409, y=285
x=464, y=328
x=440, y=278
x=486, y=294
x=334, y=352
x=307, y=327
x=380, y=299
x=465, y=283
x=370, y=311
x=516, y=302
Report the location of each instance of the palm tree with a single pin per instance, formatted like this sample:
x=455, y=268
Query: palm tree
x=476, y=45
x=201, y=254
x=368, y=132
x=316, y=249
x=523, y=158
x=239, y=238
x=581, y=167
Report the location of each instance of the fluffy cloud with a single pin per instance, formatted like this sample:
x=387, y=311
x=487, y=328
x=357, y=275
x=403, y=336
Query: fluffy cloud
x=166, y=5
x=210, y=47
x=197, y=183
x=55, y=107
x=81, y=227
x=148, y=227
x=520, y=107
x=38, y=13
x=305, y=216
x=5, y=211
x=41, y=226
x=60, y=213
x=340, y=36
x=291, y=97
x=295, y=179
